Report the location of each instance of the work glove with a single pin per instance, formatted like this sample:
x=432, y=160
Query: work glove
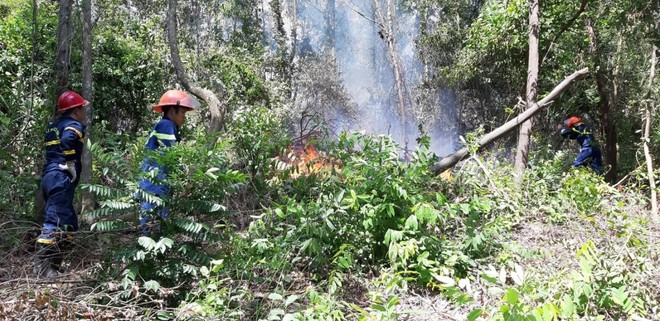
x=71, y=169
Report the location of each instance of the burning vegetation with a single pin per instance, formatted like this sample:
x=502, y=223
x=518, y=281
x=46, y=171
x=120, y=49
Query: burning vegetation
x=305, y=160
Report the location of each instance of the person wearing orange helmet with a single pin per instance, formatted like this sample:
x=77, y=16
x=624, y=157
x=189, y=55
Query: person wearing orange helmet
x=574, y=128
x=63, y=141
x=174, y=105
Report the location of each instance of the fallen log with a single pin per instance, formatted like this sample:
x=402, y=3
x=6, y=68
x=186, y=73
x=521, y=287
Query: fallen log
x=489, y=138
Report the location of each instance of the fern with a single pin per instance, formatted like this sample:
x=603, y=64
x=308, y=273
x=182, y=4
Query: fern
x=197, y=231
x=116, y=205
x=102, y=191
x=109, y=225
x=103, y=212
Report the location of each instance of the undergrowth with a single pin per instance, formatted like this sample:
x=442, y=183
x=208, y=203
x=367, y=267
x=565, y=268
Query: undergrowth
x=347, y=234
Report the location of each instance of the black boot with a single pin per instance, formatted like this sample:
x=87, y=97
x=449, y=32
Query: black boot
x=61, y=248
x=48, y=255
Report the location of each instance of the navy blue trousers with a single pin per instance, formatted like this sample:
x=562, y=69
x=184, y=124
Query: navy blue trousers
x=149, y=212
x=590, y=156
x=58, y=191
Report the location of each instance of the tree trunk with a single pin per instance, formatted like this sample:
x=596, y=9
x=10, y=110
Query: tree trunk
x=63, y=43
x=88, y=202
x=217, y=110
x=63, y=51
x=386, y=25
x=647, y=132
x=609, y=128
x=330, y=28
x=525, y=133
x=489, y=138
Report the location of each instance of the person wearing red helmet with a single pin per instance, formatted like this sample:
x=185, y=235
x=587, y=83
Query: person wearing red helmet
x=174, y=105
x=63, y=142
x=574, y=128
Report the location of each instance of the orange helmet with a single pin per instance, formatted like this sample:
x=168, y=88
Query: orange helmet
x=70, y=99
x=176, y=98
x=572, y=122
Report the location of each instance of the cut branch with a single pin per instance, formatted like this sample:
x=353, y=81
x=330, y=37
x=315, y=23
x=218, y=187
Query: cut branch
x=647, y=133
x=216, y=109
x=489, y=138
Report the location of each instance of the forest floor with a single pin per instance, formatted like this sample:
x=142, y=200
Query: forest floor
x=545, y=250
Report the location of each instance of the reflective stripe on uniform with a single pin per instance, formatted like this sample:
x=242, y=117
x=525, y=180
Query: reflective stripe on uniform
x=163, y=136
x=80, y=135
x=70, y=152
x=53, y=142
x=75, y=131
x=45, y=241
x=581, y=133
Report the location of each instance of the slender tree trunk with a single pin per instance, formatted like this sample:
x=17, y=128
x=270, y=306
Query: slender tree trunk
x=88, y=202
x=215, y=107
x=39, y=199
x=63, y=43
x=489, y=138
x=330, y=27
x=525, y=133
x=609, y=128
x=63, y=50
x=647, y=132
x=386, y=25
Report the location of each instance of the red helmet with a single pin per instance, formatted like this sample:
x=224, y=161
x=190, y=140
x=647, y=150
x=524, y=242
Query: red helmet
x=176, y=98
x=70, y=99
x=573, y=121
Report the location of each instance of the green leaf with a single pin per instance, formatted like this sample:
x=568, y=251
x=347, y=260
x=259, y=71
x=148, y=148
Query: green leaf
x=518, y=275
x=411, y=223
x=474, y=314
x=620, y=295
x=289, y=317
x=445, y=280
x=275, y=296
x=204, y=271
x=290, y=299
x=512, y=296
x=151, y=285
x=275, y=314
x=147, y=243
x=491, y=275
x=567, y=307
x=378, y=307
x=392, y=302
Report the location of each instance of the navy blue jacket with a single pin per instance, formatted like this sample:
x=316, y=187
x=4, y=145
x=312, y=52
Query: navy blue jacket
x=580, y=133
x=164, y=134
x=64, y=142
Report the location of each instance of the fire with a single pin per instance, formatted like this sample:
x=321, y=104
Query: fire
x=305, y=161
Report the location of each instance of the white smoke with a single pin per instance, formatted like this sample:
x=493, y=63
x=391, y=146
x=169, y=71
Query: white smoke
x=367, y=74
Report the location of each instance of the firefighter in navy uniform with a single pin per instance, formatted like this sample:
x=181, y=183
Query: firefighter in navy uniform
x=574, y=128
x=173, y=104
x=64, y=141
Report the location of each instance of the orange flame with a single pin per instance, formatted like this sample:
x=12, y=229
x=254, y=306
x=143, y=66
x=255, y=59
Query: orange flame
x=307, y=161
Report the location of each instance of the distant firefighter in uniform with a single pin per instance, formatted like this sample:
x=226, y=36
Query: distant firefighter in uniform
x=173, y=104
x=574, y=128
x=64, y=141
